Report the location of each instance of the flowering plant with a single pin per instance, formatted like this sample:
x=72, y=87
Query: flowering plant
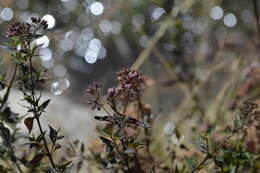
x=127, y=140
x=128, y=136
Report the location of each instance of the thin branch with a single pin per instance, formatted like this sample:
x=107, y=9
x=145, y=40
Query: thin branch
x=36, y=114
x=210, y=154
x=9, y=88
x=6, y=96
x=123, y=157
x=146, y=132
x=17, y=164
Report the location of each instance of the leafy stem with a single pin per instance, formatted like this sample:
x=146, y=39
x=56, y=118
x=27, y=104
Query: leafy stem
x=123, y=157
x=210, y=155
x=37, y=114
x=9, y=88
x=146, y=130
x=5, y=98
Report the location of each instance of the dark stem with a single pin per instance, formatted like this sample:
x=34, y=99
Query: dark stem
x=6, y=96
x=201, y=164
x=36, y=114
x=257, y=19
x=126, y=103
x=10, y=148
x=123, y=157
x=146, y=132
x=210, y=154
x=17, y=164
x=9, y=88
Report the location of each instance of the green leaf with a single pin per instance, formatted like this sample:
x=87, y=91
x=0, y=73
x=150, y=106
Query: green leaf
x=53, y=134
x=40, y=137
x=29, y=99
x=177, y=170
x=200, y=145
x=6, y=136
x=109, y=144
x=106, y=132
x=65, y=165
x=8, y=116
x=119, y=134
x=44, y=105
x=2, y=85
x=192, y=164
x=82, y=148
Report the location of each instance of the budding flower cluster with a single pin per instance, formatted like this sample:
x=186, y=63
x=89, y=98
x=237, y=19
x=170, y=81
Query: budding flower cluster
x=130, y=79
x=18, y=29
x=130, y=84
x=26, y=30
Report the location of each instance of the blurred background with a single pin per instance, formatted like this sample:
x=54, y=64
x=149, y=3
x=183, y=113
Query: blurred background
x=195, y=54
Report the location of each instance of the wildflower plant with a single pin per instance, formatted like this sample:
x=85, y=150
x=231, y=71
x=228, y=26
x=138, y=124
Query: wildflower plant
x=120, y=132
x=127, y=140
x=27, y=78
x=126, y=136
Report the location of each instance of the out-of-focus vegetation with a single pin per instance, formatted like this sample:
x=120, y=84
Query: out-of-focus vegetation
x=199, y=59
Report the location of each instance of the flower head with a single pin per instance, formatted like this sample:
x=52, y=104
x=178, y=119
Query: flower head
x=18, y=29
x=130, y=84
x=130, y=79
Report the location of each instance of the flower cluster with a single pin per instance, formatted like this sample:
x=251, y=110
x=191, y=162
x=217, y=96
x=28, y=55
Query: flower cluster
x=130, y=79
x=18, y=29
x=129, y=88
x=125, y=117
x=130, y=85
x=26, y=30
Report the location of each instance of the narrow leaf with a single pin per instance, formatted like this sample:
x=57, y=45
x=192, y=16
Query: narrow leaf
x=44, y=104
x=109, y=144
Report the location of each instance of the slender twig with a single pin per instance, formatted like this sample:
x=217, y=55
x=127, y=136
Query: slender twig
x=17, y=164
x=123, y=157
x=37, y=115
x=210, y=154
x=6, y=96
x=201, y=164
x=10, y=147
x=9, y=88
x=128, y=94
x=146, y=132
x=255, y=6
